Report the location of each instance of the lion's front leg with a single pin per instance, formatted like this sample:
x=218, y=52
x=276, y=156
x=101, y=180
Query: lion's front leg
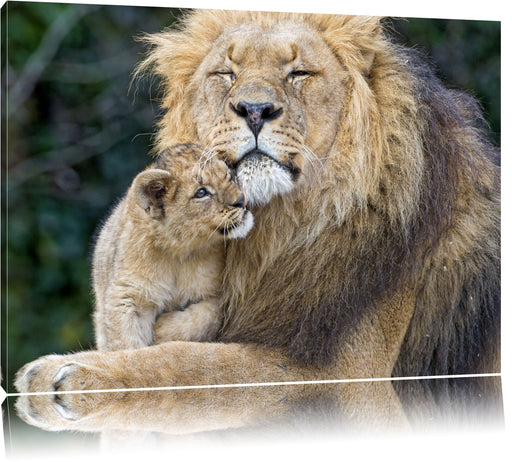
x=167, y=365
x=183, y=364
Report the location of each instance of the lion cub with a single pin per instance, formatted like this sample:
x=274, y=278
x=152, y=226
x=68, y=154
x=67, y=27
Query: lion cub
x=162, y=251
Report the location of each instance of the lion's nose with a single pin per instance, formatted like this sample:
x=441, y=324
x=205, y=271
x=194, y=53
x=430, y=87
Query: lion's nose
x=256, y=114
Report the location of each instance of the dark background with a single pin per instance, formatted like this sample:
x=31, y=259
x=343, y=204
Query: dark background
x=77, y=133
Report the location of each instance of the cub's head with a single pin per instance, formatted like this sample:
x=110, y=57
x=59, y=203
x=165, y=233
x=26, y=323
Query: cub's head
x=191, y=198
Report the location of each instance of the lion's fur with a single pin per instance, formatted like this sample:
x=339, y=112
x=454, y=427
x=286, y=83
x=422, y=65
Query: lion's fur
x=382, y=258
x=408, y=197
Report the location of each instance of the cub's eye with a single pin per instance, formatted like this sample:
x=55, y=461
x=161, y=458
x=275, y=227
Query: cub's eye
x=200, y=193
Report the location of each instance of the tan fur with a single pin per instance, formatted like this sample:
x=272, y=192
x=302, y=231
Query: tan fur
x=375, y=250
x=162, y=250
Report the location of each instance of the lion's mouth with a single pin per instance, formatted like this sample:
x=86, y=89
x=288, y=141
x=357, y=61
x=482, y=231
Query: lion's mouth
x=256, y=157
x=262, y=176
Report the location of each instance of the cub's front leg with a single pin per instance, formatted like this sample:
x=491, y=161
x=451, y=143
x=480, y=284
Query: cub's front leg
x=125, y=321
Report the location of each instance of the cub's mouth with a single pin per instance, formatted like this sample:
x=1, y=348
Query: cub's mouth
x=239, y=229
x=263, y=176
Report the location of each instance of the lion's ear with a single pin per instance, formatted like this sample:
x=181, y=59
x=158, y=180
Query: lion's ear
x=149, y=189
x=355, y=39
x=368, y=59
x=368, y=54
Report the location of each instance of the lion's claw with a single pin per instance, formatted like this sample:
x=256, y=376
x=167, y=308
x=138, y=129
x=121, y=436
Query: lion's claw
x=59, y=380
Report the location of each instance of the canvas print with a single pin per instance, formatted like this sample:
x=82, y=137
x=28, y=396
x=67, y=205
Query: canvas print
x=248, y=220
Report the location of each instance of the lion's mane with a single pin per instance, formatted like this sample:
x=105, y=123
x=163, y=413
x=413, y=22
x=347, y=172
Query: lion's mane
x=408, y=197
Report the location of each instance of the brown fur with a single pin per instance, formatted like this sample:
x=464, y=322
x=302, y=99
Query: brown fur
x=162, y=251
x=375, y=249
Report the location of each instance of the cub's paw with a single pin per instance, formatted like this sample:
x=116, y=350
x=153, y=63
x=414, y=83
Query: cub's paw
x=199, y=322
x=52, y=391
x=165, y=328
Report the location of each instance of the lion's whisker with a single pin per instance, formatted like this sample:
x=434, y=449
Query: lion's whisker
x=205, y=158
x=208, y=146
x=209, y=157
x=310, y=157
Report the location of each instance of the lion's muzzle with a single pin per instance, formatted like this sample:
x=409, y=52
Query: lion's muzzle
x=263, y=177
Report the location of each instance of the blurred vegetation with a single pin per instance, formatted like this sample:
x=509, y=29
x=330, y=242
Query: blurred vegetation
x=466, y=54
x=77, y=134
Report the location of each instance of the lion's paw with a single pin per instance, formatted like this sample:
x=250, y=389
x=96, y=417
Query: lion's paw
x=51, y=391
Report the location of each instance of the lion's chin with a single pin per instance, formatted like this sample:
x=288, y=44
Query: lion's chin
x=262, y=177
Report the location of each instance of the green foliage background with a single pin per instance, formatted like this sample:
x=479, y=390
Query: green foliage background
x=76, y=134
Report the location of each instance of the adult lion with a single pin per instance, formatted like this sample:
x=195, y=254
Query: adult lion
x=375, y=250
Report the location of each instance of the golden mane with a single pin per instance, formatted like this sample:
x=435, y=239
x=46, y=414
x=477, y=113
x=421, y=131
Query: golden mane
x=380, y=212
x=176, y=53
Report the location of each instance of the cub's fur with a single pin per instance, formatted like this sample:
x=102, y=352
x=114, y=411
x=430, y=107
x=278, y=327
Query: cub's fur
x=162, y=250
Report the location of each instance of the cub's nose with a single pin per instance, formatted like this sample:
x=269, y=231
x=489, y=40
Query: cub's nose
x=256, y=114
x=240, y=202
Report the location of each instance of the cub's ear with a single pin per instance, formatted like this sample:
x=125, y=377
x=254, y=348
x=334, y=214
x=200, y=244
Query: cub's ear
x=149, y=189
